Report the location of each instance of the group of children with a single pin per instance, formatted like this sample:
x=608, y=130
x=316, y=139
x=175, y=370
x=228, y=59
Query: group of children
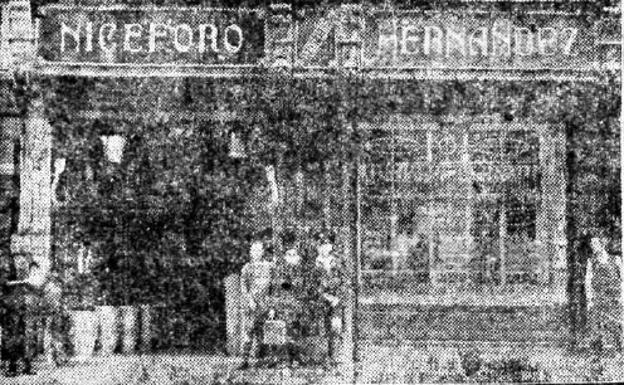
x=303, y=288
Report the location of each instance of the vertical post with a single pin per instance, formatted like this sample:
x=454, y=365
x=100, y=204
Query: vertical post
x=430, y=220
x=468, y=244
x=233, y=314
x=559, y=207
x=576, y=302
x=326, y=195
x=502, y=238
x=347, y=252
x=34, y=227
x=621, y=122
x=357, y=284
x=393, y=198
x=467, y=182
x=299, y=200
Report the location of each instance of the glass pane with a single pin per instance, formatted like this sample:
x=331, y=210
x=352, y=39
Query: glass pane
x=447, y=146
x=485, y=146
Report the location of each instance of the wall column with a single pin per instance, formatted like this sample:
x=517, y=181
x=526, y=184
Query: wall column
x=34, y=227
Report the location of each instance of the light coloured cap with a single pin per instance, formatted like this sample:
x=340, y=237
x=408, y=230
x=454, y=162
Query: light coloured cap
x=256, y=250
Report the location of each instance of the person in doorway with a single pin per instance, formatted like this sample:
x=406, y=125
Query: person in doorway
x=256, y=279
x=330, y=282
x=604, y=298
x=23, y=313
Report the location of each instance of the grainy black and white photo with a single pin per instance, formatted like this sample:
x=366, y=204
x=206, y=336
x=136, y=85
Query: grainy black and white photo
x=243, y=192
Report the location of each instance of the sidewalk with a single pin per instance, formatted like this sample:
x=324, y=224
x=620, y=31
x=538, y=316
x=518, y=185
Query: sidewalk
x=163, y=369
x=401, y=364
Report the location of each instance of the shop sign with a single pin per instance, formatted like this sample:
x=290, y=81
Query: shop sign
x=448, y=40
x=489, y=41
x=347, y=36
x=151, y=35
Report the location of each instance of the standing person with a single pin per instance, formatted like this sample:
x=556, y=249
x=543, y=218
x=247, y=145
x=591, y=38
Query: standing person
x=330, y=280
x=256, y=279
x=24, y=310
x=292, y=292
x=292, y=261
x=604, y=302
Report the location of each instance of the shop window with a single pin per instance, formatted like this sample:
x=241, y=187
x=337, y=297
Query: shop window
x=450, y=200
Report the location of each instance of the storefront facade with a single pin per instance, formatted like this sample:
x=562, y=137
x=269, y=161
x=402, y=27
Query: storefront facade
x=444, y=161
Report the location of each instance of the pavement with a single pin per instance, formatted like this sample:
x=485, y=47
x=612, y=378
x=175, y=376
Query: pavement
x=170, y=368
x=389, y=364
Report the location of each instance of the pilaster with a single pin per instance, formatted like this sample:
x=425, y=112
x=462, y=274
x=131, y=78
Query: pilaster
x=34, y=227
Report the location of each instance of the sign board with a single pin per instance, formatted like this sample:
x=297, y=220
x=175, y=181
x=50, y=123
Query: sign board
x=141, y=36
x=479, y=41
x=367, y=41
x=445, y=40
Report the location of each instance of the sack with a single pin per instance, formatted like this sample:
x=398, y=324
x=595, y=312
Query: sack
x=336, y=324
x=274, y=332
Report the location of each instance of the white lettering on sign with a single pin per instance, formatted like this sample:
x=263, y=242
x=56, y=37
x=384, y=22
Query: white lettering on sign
x=433, y=40
x=73, y=33
x=456, y=42
x=409, y=40
x=186, y=32
x=212, y=37
x=156, y=31
x=547, y=41
x=501, y=39
x=136, y=38
x=89, y=43
x=132, y=31
x=234, y=31
x=106, y=34
x=478, y=42
x=569, y=41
